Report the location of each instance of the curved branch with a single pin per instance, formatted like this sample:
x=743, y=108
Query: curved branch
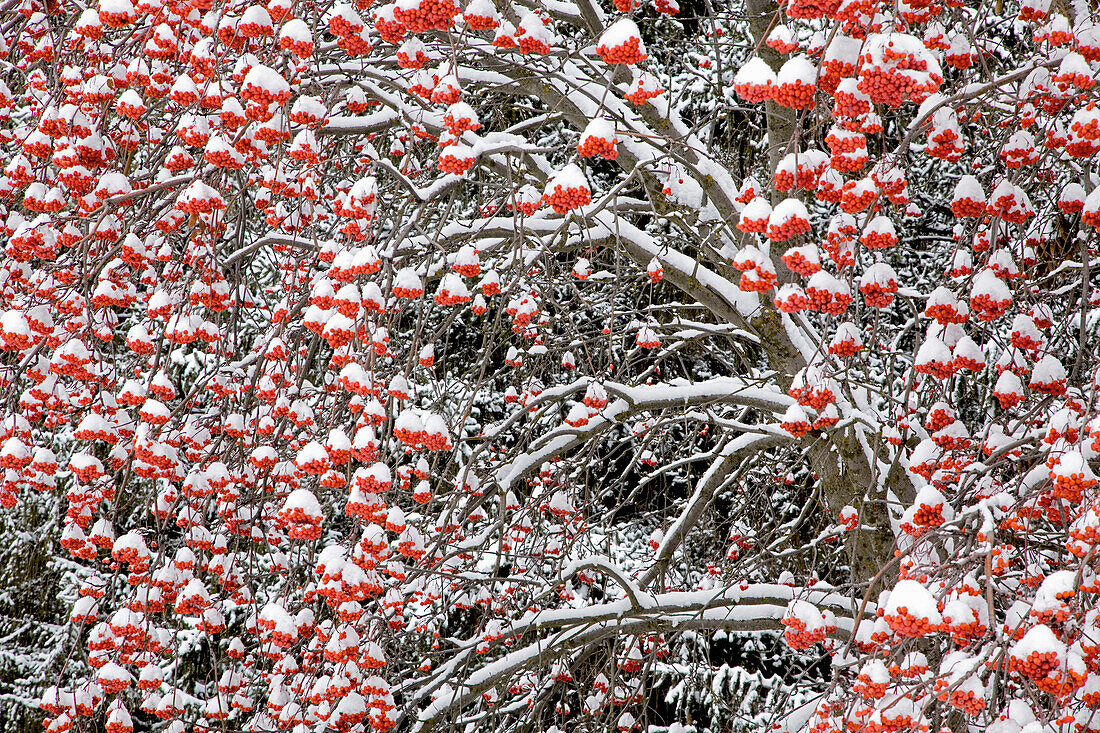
x=733, y=453
x=755, y=609
x=633, y=400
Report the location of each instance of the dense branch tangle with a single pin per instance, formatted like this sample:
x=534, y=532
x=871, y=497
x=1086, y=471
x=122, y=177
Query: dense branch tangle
x=421, y=366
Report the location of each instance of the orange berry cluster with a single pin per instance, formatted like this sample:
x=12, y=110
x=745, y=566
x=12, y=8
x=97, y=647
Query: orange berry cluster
x=798, y=95
x=416, y=61
x=849, y=105
x=810, y=9
x=792, y=227
x=527, y=208
x=593, y=146
x=928, y=516
x=877, y=296
x=563, y=200
x=964, y=700
x=459, y=125
x=200, y=205
x=869, y=690
x=390, y=31
x=641, y=96
x=1071, y=487
x=411, y=438
x=845, y=144
x=797, y=263
x=116, y=19
x=844, y=349
x=480, y=22
x=1008, y=400
x=797, y=637
x=986, y=308
x=849, y=162
x=409, y=293
x=354, y=45
x=804, y=177
x=529, y=44
x=887, y=87
x=753, y=93
x=1019, y=157
x=223, y=159
x=625, y=53
x=302, y=49
x=797, y=429
x=878, y=240
x=792, y=302
x=1036, y=666
x=827, y=301
x=756, y=281
x=446, y=94
x=966, y=207
x=446, y=297
x=753, y=226
x=854, y=200
x=937, y=369
x=905, y=624
x=429, y=15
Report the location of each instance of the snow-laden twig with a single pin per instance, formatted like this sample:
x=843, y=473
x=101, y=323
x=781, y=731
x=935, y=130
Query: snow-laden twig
x=639, y=599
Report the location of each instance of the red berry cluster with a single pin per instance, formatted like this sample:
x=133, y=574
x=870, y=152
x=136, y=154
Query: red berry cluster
x=797, y=637
x=827, y=301
x=792, y=301
x=797, y=429
x=810, y=9
x=354, y=45
x=792, y=227
x=756, y=281
x=408, y=293
x=854, y=199
x=797, y=263
x=391, y=31
x=753, y=93
x=849, y=105
x=877, y=296
x=798, y=95
x=563, y=200
x=530, y=45
x=1036, y=666
x=593, y=146
x=753, y=226
x=868, y=689
x=640, y=96
x=446, y=94
x=937, y=369
x=966, y=207
x=625, y=53
x=116, y=19
x=302, y=49
x=449, y=163
x=986, y=308
x=892, y=86
x=429, y=15
x=415, y=61
x=480, y=22
x=878, y=240
x=845, y=348
x=905, y=624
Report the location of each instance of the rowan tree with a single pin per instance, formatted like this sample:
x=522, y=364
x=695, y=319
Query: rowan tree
x=541, y=365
